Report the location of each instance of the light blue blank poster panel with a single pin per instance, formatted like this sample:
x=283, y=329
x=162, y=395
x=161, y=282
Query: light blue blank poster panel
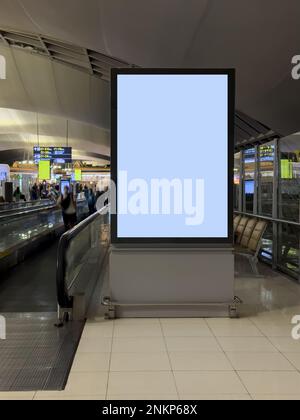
x=172, y=156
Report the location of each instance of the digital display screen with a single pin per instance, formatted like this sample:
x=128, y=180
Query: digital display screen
x=266, y=153
x=249, y=156
x=249, y=187
x=58, y=155
x=172, y=157
x=63, y=184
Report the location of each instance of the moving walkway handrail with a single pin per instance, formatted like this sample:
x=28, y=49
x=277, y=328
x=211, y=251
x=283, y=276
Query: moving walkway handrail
x=268, y=218
x=63, y=298
x=18, y=205
x=39, y=206
x=25, y=211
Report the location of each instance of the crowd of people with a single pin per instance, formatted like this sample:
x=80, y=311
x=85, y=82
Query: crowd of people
x=43, y=191
x=66, y=199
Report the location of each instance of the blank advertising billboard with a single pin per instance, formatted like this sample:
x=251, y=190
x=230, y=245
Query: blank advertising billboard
x=172, y=155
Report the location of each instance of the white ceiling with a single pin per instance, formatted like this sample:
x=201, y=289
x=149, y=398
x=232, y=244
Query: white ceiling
x=35, y=83
x=24, y=130
x=258, y=38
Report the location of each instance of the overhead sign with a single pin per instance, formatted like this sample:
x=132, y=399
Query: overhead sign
x=58, y=155
x=172, y=151
x=266, y=153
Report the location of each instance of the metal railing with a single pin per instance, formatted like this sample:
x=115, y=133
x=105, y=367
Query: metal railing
x=281, y=244
x=81, y=252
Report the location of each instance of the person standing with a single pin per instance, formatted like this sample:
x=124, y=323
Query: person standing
x=91, y=201
x=17, y=194
x=68, y=205
x=34, y=192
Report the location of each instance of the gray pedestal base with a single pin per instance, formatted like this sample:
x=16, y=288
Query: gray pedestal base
x=166, y=282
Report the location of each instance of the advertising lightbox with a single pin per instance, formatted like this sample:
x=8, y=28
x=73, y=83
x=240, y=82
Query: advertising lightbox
x=172, y=155
x=44, y=170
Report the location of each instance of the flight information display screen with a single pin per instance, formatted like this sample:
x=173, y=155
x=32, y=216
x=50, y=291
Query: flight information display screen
x=58, y=155
x=172, y=155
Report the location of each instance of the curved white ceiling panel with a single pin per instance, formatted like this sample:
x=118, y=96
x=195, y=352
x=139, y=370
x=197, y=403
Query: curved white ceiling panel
x=139, y=31
x=36, y=83
x=24, y=130
x=258, y=38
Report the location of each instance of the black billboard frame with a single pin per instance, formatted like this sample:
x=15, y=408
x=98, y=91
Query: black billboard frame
x=161, y=241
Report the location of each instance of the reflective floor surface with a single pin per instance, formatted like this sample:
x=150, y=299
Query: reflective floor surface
x=16, y=232
x=254, y=357
x=30, y=286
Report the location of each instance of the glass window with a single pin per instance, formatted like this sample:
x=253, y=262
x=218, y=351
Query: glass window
x=237, y=179
x=267, y=244
x=288, y=247
x=249, y=180
x=289, y=178
x=266, y=155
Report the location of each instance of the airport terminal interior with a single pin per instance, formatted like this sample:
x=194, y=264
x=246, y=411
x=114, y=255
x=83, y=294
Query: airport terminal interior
x=85, y=315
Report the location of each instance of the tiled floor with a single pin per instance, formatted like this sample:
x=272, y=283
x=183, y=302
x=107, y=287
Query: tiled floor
x=183, y=359
x=253, y=357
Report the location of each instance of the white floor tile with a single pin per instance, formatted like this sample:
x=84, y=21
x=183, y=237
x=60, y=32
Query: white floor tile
x=87, y=383
x=247, y=344
x=99, y=320
x=223, y=322
x=98, y=331
x=4, y=396
x=144, y=397
x=286, y=344
x=91, y=362
x=294, y=358
x=272, y=330
x=208, y=383
x=141, y=383
x=95, y=345
x=138, y=345
x=268, y=383
x=271, y=316
x=272, y=322
x=216, y=397
x=140, y=322
x=137, y=330
x=66, y=397
x=121, y=362
x=198, y=361
x=233, y=328
x=276, y=397
x=255, y=361
x=200, y=344
x=183, y=321
x=186, y=330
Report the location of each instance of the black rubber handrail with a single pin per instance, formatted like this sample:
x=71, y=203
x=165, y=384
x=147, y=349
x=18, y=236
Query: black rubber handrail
x=63, y=298
x=6, y=207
